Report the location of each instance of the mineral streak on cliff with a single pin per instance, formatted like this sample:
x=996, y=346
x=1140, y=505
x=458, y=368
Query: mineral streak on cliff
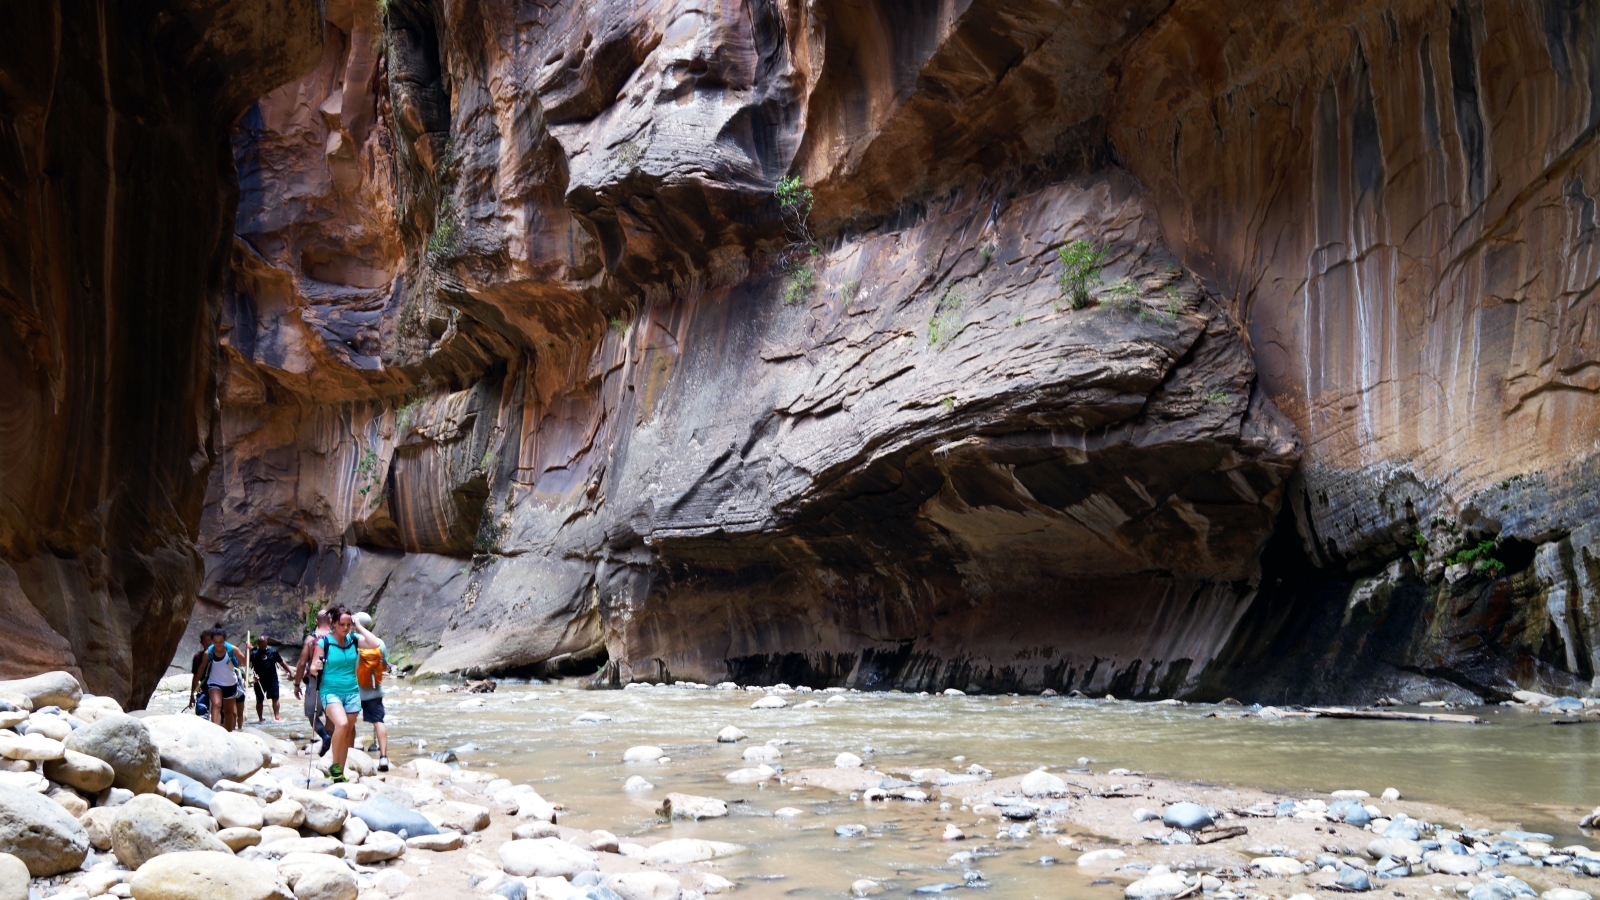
x=116, y=200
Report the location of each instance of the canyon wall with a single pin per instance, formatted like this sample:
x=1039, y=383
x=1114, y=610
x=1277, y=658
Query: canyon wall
x=116, y=205
x=523, y=353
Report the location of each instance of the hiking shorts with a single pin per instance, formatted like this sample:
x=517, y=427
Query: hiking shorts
x=348, y=702
x=267, y=690
x=372, y=710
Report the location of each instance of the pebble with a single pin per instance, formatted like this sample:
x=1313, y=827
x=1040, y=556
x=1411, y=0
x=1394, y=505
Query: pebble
x=770, y=703
x=751, y=776
x=850, y=831
x=1390, y=795
x=1094, y=857
x=953, y=833
x=637, y=783
x=1040, y=783
x=865, y=887
x=643, y=754
x=788, y=812
x=689, y=806
x=847, y=761
x=730, y=735
x=591, y=718
x=681, y=851
x=1278, y=866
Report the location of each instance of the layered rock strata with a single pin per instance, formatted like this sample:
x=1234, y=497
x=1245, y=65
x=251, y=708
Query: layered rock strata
x=116, y=202
x=515, y=359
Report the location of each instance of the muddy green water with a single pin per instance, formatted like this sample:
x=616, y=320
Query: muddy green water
x=1520, y=768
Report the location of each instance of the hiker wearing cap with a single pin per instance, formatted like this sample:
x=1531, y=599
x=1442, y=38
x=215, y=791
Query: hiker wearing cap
x=266, y=661
x=221, y=680
x=304, y=676
x=337, y=656
x=369, y=675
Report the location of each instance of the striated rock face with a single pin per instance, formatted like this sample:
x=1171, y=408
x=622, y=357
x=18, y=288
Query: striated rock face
x=116, y=197
x=523, y=352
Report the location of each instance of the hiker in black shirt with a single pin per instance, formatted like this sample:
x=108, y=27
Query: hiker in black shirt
x=266, y=662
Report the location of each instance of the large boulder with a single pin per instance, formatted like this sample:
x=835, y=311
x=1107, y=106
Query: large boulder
x=453, y=815
x=207, y=876
x=123, y=743
x=313, y=876
x=383, y=814
x=38, y=831
x=14, y=878
x=80, y=770
x=690, y=850
x=202, y=750
x=645, y=886
x=150, y=825
x=50, y=689
x=545, y=858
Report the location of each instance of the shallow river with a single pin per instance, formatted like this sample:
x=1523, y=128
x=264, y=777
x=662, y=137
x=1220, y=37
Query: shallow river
x=1519, y=768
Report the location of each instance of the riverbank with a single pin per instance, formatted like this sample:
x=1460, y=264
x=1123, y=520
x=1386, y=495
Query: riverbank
x=831, y=792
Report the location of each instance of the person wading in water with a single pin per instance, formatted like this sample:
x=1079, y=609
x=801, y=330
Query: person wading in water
x=220, y=680
x=304, y=676
x=337, y=656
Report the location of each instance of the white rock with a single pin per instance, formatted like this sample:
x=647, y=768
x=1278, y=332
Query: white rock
x=952, y=833
x=353, y=832
x=545, y=858
x=392, y=882
x=379, y=845
x=51, y=726
x=438, y=843
x=204, y=751
x=285, y=813
x=637, y=783
x=313, y=876
x=452, y=815
x=689, y=806
x=865, y=887
x=690, y=850
x=645, y=886
x=49, y=689
x=1279, y=866
x=770, y=703
x=1451, y=864
x=271, y=833
x=233, y=810
x=239, y=838
x=1040, y=783
x=1564, y=894
x=591, y=718
x=1097, y=857
x=25, y=781
x=36, y=830
x=31, y=747
x=751, y=776
x=1159, y=883
x=202, y=875
x=643, y=754
x=1390, y=795
x=954, y=692
x=730, y=735
x=325, y=813
x=762, y=753
x=788, y=812
x=847, y=761
x=430, y=770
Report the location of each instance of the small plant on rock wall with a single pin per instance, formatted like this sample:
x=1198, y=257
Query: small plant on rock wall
x=799, y=256
x=1421, y=552
x=367, y=472
x=443, y=241
x=1123, y=296
x=1478, y=558
x=1080, y=271
x=946, y=316
x=404, y=416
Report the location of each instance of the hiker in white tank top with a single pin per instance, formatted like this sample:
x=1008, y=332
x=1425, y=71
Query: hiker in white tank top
x=222, y=681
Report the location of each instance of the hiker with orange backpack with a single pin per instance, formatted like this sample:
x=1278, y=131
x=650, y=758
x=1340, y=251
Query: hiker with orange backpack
x=369, y=675
x=338, y=655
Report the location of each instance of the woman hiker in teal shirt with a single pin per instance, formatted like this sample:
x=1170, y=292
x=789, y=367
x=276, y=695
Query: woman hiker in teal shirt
x=337, y=656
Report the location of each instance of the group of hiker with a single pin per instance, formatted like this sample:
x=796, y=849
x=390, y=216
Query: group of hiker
x=340, y=669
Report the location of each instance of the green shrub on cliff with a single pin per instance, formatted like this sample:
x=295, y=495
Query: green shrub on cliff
x=799, y=265
x=1080, y=270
